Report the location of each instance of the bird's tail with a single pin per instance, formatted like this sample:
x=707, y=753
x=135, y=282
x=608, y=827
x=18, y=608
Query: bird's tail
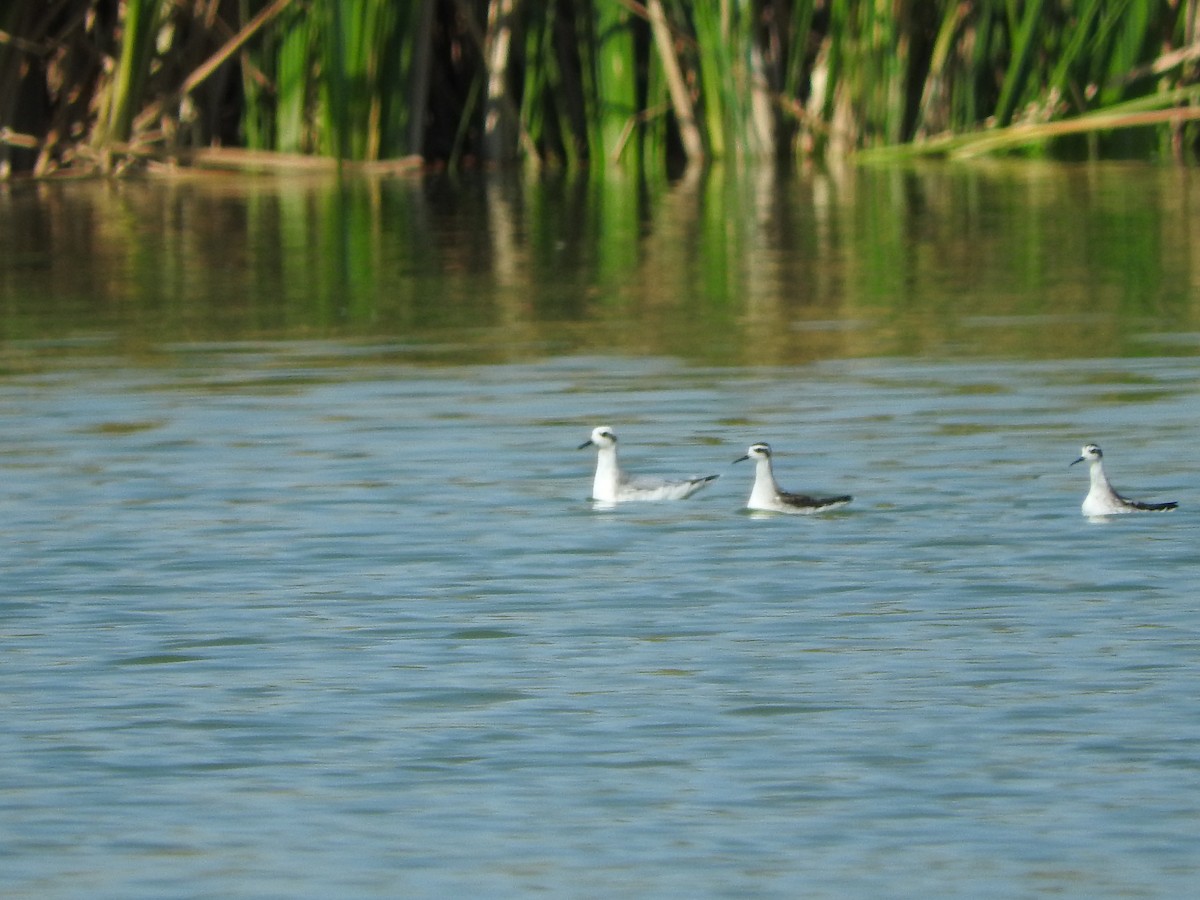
x=1157, y=507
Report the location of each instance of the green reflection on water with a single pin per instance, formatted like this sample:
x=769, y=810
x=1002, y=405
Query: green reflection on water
x=1022, y=261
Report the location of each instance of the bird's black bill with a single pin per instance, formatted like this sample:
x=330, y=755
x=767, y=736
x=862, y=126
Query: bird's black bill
x=586, y=443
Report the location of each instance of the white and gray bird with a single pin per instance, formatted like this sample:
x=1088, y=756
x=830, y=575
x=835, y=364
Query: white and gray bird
x=611, y=485
x=1102, y=499
x=767, y=495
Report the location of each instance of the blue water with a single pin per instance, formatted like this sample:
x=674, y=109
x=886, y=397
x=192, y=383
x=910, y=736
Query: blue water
x=295, y=620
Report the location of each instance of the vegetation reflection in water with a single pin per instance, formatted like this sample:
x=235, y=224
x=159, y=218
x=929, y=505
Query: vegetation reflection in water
x=1023, y=261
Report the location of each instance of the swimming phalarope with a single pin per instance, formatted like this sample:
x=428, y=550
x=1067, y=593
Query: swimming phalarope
x=611, y=485
x=1102, y=500
x=767, y=494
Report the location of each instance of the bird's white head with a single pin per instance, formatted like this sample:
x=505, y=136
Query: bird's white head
x=602, y=436
x=756, y=451
x=1091, y=453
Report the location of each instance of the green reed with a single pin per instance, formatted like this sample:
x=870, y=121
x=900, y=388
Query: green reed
x=642, y=84
x=137, y=50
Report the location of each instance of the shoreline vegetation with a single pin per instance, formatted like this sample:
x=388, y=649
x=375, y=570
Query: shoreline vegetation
x=108, y=87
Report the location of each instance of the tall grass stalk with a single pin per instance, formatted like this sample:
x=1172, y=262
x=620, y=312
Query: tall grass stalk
x=137, y=48
x=499, y=122
x=615, y=86
x=690, y=134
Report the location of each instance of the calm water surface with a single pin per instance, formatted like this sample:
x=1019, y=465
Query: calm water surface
x=321, y=609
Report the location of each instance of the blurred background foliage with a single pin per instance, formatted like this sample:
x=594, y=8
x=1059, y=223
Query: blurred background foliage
x=102, y=86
